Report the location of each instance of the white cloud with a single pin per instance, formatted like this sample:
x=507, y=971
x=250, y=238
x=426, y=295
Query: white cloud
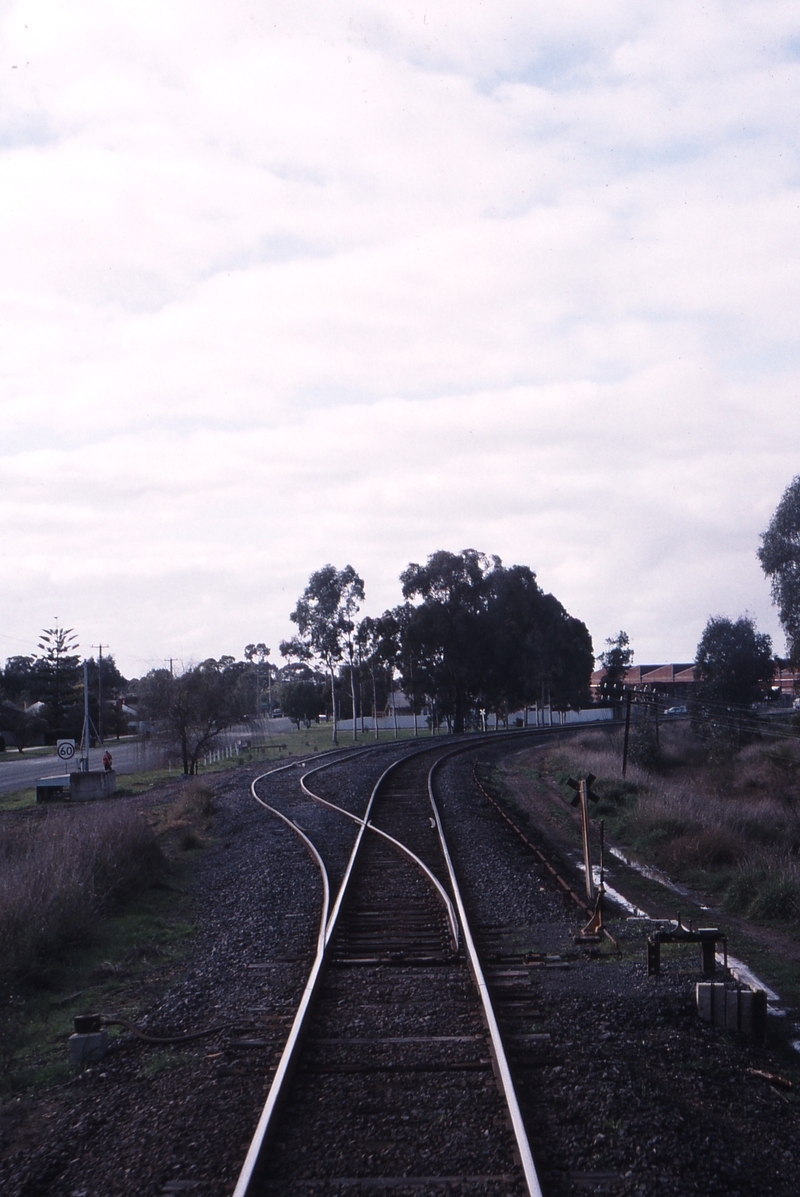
x=311, y=284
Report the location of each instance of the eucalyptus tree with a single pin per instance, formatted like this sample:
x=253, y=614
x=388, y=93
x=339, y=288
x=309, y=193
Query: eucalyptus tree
x=780, y=559
x=486, y=634
x=445, y=629
x=734, y=667
x=378, y=646
x=325, y=617
x=257, y=654
x=567, y=656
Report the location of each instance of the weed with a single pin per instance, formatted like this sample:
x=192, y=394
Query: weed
x=189, y=839
x=158, y=1062
x=732, y=828
x=765, y=887
x=190, y=814
x=60, y=872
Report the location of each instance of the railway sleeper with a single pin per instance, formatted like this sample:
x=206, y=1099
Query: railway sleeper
x=379, y=1066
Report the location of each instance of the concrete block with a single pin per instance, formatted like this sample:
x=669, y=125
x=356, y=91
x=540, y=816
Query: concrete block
x=732, y=1009
x=97, y=783
x=87, y=1049
x=710, y=998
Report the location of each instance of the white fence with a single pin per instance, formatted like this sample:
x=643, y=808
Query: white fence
x=542, y=717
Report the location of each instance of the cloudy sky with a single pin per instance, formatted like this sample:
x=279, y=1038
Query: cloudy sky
x=290, y=283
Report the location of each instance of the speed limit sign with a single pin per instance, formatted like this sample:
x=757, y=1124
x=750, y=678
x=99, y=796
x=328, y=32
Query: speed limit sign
x=66, y=749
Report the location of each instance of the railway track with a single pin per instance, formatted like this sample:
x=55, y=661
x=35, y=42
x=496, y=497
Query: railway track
x=394, y=1076
x=622, y=1089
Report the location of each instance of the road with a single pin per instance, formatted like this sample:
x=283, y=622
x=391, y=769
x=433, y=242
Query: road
x=18, y=772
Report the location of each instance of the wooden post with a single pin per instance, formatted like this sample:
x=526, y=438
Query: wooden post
x=583, y=793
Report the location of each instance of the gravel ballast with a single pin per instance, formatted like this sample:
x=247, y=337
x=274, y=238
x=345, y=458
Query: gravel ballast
x=624, y=1090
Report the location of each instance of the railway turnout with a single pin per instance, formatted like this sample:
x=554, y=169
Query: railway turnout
x=394, y=1077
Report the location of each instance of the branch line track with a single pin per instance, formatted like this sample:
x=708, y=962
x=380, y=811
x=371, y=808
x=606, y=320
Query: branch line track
x=395, y=956
x=368, y=947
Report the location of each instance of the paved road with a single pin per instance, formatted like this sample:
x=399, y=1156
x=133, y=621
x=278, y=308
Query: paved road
x=18, y=772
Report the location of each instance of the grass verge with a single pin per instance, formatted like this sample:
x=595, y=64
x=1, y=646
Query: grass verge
x=92, y=907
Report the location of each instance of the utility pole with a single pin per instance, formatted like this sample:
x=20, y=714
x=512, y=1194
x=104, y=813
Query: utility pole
x=628, y=700
x=100, y=648
x=84, y=761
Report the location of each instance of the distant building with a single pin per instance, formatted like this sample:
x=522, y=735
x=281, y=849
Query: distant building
x=676, y=681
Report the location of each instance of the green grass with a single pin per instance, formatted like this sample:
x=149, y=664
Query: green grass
x=317, y=738
x=11, y=754
x=142, y=944
x=19, y=800
x=156, y=1063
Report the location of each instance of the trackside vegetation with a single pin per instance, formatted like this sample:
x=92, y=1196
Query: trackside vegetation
x=728, y=827
x=472, y=637
x=81, y=888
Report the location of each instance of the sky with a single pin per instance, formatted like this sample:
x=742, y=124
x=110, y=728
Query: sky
x=284, y=284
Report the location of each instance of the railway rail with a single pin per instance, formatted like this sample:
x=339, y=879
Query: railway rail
x=394, y=1076
x=622, y=1088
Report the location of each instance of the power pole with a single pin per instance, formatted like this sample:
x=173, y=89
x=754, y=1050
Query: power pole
x=628, y=700
x=84, y=761
x=100, y=648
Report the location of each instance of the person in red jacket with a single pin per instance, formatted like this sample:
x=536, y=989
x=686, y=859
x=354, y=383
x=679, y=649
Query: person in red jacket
x=107, y=761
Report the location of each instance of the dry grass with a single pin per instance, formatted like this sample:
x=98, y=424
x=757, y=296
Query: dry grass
x=58, y=874
x=188, y=816
x=733, y=826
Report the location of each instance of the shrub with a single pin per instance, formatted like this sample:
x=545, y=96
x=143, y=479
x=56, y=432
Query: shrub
x=765, y=887
x=59, y=873
x=706, y=847
x=197, y=800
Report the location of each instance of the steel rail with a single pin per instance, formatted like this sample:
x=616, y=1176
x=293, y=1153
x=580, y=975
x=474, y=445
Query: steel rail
x=452, y=917
x=327, y=926
x=520, y=1134
x=254, y=1155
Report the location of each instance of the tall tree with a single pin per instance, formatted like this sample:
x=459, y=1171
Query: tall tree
x=325, y=617
x=17, y=679
x=257, y=654
x=377, y=651
x=567, y=657
x=194, y=708
x=57, y=677
x=444, y=629
x=303, y=699
x=780, y=559
x=486, y=634
x=733, y=668
x=534, y=645
x=616, y=660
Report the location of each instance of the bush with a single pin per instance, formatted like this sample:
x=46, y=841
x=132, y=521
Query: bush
x=197, y=800
x=58, y=874
x=706, y=847
x=765, y=888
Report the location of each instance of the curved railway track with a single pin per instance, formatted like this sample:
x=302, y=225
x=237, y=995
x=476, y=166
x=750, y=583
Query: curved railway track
x=394, y=1076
